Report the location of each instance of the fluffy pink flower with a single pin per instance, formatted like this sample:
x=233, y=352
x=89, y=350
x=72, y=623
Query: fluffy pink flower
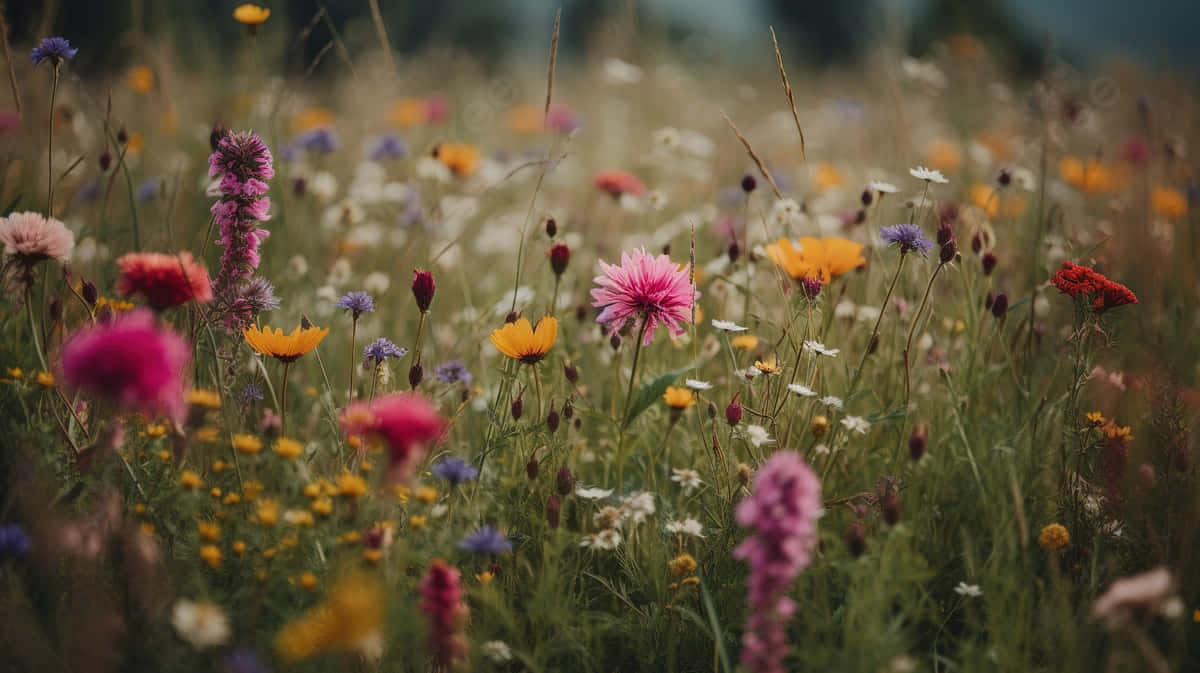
x=653, y=288
x=405, y=421
x=442, y=603
x=164, y=280
x=132, y=362
x=1130, y=597
x=782, y=509
x=31, y=237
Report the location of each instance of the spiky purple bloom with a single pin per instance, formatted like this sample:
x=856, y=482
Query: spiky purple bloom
x=381, y=349
x=251, y=394
x=14, y=541
x=909, y=237
x=454, y=470
x=250, y=298
x=453, y=371
x=782, y=510
x=486, y=540
x=649, y=290
x=357, y=302
x=388, y=147
x=244, y=164
x=53, y=49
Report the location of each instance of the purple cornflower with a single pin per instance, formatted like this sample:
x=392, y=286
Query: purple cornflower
x=453, y=371
x=486, y=540
x=357, y=302
x=909, y=237
x=782, y=510
x=243, y=163
x=251, y=394
x=388, y=147
x=319, y=140
x=148, y=190
x=53, y=49
x=381, y=349
x=14, y=541
x=454, y=470
x=244, y=660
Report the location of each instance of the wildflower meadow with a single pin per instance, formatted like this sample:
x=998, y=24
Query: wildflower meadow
x=319, y=356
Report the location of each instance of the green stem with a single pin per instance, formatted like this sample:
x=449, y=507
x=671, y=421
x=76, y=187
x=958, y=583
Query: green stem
x=283, y=401
x=353, y=334
x=33, y=328
x=637, y=352
x=913, y=328
x=50, y=147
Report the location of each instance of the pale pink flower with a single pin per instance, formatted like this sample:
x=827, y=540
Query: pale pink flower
x=1128, y=597
x=655, y=289
x=31, y=237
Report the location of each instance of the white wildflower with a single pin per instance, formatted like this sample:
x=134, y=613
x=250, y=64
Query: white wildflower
x=201, y=624
x=688, y=478
x=728, y=326
x=802, y=390
x=856, y=424
x=497, y=651
x=686, y=527
x=968, y=590
x=928, y=175
x=819, y=348
x=592, y=493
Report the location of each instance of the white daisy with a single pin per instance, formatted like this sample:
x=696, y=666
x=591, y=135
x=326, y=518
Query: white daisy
x=968, y=590
x=201, y=624
x=686, y=527
x=696, y=384
x=728, y=326
x=638, y=507
x=606, y=540
x=831, y=401
x=883, y=187
x=747, y=373
x=819, y=348
x=856, y=424
x=592, y=493
x=757, y=435
x=688, y=478
x=820, y=449
x=928, y=175
x=497, y=651
x=802, y=390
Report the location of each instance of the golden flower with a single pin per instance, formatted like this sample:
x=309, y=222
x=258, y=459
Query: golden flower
x=146, y=527
x=679, y=398
x=690, y=581
x=285, y=348
x=417, y=521
x=746, y=342
x=268, y=512
x=372, y=555
x=1095, y=417
x=520, y=341
x=115, y=305
x=307, y=581
x=247, y=443
x=825, y=259
x=826, y=176
x=215, y=492
x=409, y=112
x=1113, y=431
x=682, y=565
x=200, y=397
x=209, y=530
x=943, y=155
x=485, y=576
x=16, y=373
x=1092, y=177
x=312, y=118
x=251, y=490
x=426, y=494
x=1054, y=536
x=350, y=485
x=322, y=506
x=141, y=79
x=239, y=547
x=994, y=202
x=461, y=158
x=211, y=554
x=401, y=492
x=207, y=434
x=231, y=499
x=165, y=456
x=190, y=480
x=351, y=619
x=288, y=448
x=251, y=15
x=820, y=425
x=156, y=430
x=1169, y=203
x=769, y=365
x=45, y=379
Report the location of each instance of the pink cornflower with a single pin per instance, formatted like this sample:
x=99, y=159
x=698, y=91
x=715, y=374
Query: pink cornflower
x=442, y=603
x=617, y=183
x=31, y=238
x=132, y=362
x=405, y=421
x=782, y=509
x=165, y=280
x=654, y=288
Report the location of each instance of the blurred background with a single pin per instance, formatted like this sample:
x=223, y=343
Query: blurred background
x=1086, y=33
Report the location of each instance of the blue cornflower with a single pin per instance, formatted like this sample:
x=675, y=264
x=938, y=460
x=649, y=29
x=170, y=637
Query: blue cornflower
x=148, y=190
x=54, y=49
x=244, y=660
x=381, y=349
x=357, y=302
x=388, y=147
x=14, y=541
x=454, y=470
x=251, y=394
x=453, y=371
x=321, y=140
x=486, y=540
x=908, y=236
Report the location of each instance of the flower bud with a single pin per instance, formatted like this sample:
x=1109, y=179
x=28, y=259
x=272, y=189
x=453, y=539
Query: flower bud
x=855, y=538
x=945, y=233
x=734, y=251
x=712, y=409
x=867, y=197
x=571, y=372
x=891, y=509
x=989, y=263
x=614, y=341
x=820, y=426
x=89, y=292
x=581, y=312
x=917, y=441
x=214, y=137
x=552, y=420
x=812, y=286
x=666, y=249
x=748, y=183
x=733, y=412
x=551, y=227
x=512, y=316
x=976, y=243
x=422, y=289
x=300, y=187
x=564, y=481
x=122, y=136
x=531, y=468
x=948, y=251
x=560, y=255
x=1004, y=178
x=518, y=406
x=105, y=160
x=1000, y=306
x=744, y=474
x=416, y=374
x=553, y=510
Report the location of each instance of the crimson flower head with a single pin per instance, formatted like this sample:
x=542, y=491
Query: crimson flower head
x=617, y=183
x=1084, y=283
x=164, y=280
x=560, y=256
x=655, y=289
x=404, y=421
x=442, y=604
x=422, y=289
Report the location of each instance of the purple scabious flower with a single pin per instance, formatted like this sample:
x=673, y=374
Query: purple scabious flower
x=453, y=371
x=357, y=302
x=14, y=541
x=148, y=190
x=320, y=140
x=388, y=147
x=243, y=163
x=454, y=470
x=381, y=349
x=486, y=540
x=782, y=510
x=909, y=237
x=53, y=49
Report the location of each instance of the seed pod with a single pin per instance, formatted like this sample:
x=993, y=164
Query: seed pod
x=564, y=481
x=891, y=509
x=917, y=441
x=989, y=263
x=614, y=341
x=570, y=371
x=553, y=510
x=560, y=255
x=416, y=374
x=552, y=420
x=531, y=468
x=1004, y=178
x=512, y=316
x=867, y=197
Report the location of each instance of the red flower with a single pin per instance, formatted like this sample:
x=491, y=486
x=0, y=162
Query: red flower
x=617, y=183
x=165, y=280
x=1084, y=283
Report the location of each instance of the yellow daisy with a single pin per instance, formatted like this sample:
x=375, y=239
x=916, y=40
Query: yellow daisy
x=521, y=341
x=284, y=347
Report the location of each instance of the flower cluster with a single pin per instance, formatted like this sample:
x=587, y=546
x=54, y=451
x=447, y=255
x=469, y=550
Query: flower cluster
x=1084, y=283
x=442, y=603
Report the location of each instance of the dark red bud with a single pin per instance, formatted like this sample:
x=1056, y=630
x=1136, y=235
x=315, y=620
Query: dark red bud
x=553, y=510
x=551, y=227
x=564, y=481
x=560, y=255
x=422, y=289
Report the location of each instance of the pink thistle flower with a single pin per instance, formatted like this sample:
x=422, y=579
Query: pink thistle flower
x=405, y=421
x=782, y=509
x=132, y=362
x=654, y=288
x=442, y=603
x=617, y=183
x=165, y=280
x=31, y=238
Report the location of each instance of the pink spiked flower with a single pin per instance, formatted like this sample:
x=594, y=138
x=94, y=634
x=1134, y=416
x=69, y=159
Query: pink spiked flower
x=442, y=602
x=132, y=362
x=405, y=421
x=653, y=288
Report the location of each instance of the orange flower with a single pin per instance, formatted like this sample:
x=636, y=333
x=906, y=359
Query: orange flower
x=679, y=398
x=993, y=202
x=826, y=176
x=943, y=155
x=521, y=341
x=1092, y=177
x=250, y=15
x=461, y=158
x=408, y=112
x=825, y=259
x=286, y=348
x=525, y=118
x=141, y=79
x=1169, y=203
x=312, y=118
x=617, y=183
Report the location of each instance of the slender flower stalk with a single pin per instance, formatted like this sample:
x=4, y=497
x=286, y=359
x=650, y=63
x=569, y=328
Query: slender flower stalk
x=912, y=330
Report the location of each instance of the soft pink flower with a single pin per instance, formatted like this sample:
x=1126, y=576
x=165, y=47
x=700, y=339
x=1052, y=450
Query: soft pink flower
x=1135, y=595
x=652, y=288
x=164, y=280
x=617, y=183
x=132, y=362
x=406, y=421
x=32, y=237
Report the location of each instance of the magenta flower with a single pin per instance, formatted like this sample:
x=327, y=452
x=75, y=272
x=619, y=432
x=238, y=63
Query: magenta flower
x=132, y=362
x=243, y=163
x=442, y=603
x=404, y=421
x=782, y=510
x=655, y=289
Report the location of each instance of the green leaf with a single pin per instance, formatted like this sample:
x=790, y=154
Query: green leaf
x=651, y=392
x=718, y=635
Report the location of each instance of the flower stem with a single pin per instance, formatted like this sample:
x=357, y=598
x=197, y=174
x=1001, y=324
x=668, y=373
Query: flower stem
x=50, y=147
x=33, y=328
x=637, y=352
x=353, y=334
x=283, y=401
x=913, y=328
x=878, y=321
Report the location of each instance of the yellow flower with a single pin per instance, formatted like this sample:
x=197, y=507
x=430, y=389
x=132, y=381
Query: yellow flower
x=820, y=425
x=1095, y=417
x=190, y=480
x=825, y=259
x=461, y=158
x=768, y=366
x=250, y=15
x=207, y=399
x=307, y=581
x=247, y=443
x=351, y=485
x=943, y=155
x=745, y=342
x=485, y=576
x=156, y=430
x=165, y=456
x=409, y=112
x=1169, y=203
x=285, y=348
x=116, y=305
x=251, y=490
x=207, y=434
x=1113, y=431
x=312, y=118
x=682, y=565
x=1092, y=177
x=401, y=492
x=140, y=508
x=366, y=465
x=239, y=547
x=827, y=176
x=351, y=537
x=351, y=619
x=288, y=448
x=211, y=554
x=141, y=79
x=372, y=555
x=209, y=530
x=520, y=341
x=679, y=398
x=417, y=521
x=268, y=512
x=215, y=492
x=1053, y=536
x=426, y=494
x=45, y=379
x=146, y=527
x=231, y=499
x=994, y=202
x=16, y=373
x=322, y=506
